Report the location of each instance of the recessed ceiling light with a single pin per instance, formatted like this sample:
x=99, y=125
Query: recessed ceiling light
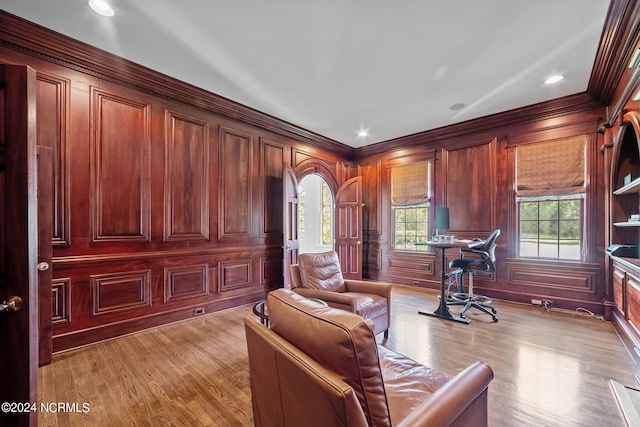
x=101, y=7
x=363, y=133
x=554, y=79
x=458, y=106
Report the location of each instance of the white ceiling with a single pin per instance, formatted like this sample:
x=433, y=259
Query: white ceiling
x=335, y=67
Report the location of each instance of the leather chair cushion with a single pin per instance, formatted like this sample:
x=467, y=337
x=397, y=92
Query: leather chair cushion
x=338, y=340
x=369, y=306
x=321, y=271
x=407, y=383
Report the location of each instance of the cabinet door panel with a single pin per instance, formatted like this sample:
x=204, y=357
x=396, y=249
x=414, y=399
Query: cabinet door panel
x=633, y=299
x=618, y=288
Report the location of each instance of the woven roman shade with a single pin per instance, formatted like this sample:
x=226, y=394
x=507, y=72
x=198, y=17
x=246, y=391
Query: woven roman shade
x=551, y=168
x=410, y=184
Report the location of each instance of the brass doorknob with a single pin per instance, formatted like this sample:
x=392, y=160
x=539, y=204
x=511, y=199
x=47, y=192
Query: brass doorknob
x=43, y=266
x=358, y=243
x=12, y=304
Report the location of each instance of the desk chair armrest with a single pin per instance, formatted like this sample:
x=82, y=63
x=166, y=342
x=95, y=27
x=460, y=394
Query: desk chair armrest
x=334, y=299
x=366, y=287
x=467, y=390
x=473, y=250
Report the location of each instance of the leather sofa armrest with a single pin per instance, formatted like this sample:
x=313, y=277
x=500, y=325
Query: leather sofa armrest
x=366, y=287
x=447, y=403
x=334, y=299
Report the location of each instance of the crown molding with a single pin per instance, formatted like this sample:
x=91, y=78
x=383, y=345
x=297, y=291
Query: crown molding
x=555, y=108
x=39, y=42
x=618, y=43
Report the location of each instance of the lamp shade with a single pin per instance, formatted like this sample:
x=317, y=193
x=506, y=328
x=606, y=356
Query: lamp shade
x=442, y=218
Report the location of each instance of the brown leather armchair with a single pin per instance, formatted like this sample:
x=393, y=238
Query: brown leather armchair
x=318, y=275
x=321, y=366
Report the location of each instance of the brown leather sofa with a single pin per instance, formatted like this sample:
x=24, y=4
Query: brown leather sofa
x=320, y=366
x=318, y=275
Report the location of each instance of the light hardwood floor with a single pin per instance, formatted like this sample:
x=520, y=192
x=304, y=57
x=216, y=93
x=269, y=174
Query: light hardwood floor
x=551, y=368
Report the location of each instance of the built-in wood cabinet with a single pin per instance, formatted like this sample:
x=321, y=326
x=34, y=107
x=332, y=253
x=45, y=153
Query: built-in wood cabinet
x=624, y=273
x=626, y=195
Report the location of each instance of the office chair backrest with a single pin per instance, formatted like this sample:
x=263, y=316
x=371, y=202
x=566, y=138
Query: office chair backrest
x=488, y=250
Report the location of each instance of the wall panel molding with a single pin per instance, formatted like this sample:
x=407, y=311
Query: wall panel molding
x=234, y=275
x=469, y=180
x=556, y=278
x=411, y=265
x=271, y=272
x=185, y=282
x=236, y=162
x=53, y=95
x=372, y=258
x=272, y=160
x=186, y=178
x=119, y=292
x=372, y=198
x=120, y=166
x=61, y=298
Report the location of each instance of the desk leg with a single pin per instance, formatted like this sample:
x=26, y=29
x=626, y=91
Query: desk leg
x=443, y=311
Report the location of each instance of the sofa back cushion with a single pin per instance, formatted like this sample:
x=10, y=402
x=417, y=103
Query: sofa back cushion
x=321, y=271
x=338, y=340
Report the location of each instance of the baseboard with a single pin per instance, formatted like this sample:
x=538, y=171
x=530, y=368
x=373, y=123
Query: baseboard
x=83, y=337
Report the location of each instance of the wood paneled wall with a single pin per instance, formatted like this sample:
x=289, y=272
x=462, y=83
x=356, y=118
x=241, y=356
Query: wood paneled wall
x=473, y=174
x=168, y=200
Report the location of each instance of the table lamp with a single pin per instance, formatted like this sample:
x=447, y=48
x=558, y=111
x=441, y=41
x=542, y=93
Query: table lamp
x=442, y=220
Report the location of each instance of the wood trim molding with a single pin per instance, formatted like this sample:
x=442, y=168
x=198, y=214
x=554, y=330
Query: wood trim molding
x=75, y=260
x=538, y=112
x=620, y=37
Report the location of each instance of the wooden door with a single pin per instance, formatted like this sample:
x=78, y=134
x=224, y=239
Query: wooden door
x=45, y=254
x=18, y=245
x=348, y=229
x=290, y=223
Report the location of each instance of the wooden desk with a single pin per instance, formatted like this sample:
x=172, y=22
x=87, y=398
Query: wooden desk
x=443, y=311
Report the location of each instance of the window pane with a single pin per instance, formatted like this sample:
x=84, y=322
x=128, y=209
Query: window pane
x=548, y=230
x=548, y=210
x=570, y=249
x=411, y=226
x=528, y=230
x=556, y=232
x=422, y=229
x=548, y=248
x=411, y=215
x=570, y=229
x=570, y=209
x=529, y=248
x=422, y=215
x=528, y=211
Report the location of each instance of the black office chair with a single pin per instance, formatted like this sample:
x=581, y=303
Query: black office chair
x=486, y=264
